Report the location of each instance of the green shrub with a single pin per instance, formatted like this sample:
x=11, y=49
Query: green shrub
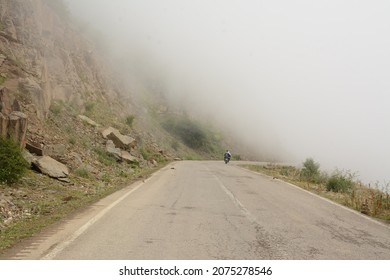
x=13, y=165
x=2, y=79
x=105, y=157
x=288, y=171
x=146, y=153
x=159, y=158
x=72, y=140
x=82, y=172
x=130, y=120
x=188, y=131
x=236, y=157
x=106, y=177
x=89, y=106
x=340, y=182
x=310, y=170
x=55, y=108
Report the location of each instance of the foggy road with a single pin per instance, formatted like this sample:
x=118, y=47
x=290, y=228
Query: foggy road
x=209, y=210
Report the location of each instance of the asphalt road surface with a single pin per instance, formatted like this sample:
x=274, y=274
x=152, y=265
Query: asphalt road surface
x=209, y=210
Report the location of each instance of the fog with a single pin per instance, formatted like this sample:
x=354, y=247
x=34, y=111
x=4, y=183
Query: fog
x=291, y=79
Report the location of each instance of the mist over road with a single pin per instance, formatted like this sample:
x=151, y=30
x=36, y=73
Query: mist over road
x=300, y=78
x=209, y=210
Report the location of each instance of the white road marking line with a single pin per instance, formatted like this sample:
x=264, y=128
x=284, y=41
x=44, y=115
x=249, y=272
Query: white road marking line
x=239, y=205
x=63, y=245
x=323, y=198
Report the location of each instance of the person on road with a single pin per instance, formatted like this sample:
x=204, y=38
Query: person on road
x=227, y=154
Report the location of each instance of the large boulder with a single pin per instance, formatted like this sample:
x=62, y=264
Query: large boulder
x=120, y=141
x=111, y=149
x=34, y=148
x=107, y=131
x=51, y=167
x=119, y=154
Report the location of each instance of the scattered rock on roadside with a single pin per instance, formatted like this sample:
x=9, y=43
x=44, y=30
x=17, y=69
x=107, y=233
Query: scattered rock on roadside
x=121, y=141
x=51, y=167
x=111, y=149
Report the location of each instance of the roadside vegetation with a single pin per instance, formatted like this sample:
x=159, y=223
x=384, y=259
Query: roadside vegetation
x=203, y=140
x=30, y=201
x=13, y=165
x=38, y=201
x=2, y=78
x=339, y=186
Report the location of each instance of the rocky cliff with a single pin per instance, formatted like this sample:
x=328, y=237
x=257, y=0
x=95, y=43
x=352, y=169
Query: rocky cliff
x=50, y=76
x=58, y=97
x=42, y=58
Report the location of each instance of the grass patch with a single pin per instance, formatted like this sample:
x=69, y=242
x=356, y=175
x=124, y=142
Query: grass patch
x=146, y=153
x=130, y=120
x=89, y=108
x=104, y=157
x=72, y=140
x=56, y=108
x=42, y=201
x=2, y=79
x=82, y=172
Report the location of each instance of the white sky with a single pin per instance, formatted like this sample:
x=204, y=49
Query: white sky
x=296, y=79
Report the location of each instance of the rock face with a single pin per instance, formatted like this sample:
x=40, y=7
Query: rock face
x=46, y=59
x=14, y=126
x=13, y=123
x=17, y=127
x=51, y=167
x=8, y=103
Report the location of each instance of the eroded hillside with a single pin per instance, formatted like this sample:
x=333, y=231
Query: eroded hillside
x=55, y=78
